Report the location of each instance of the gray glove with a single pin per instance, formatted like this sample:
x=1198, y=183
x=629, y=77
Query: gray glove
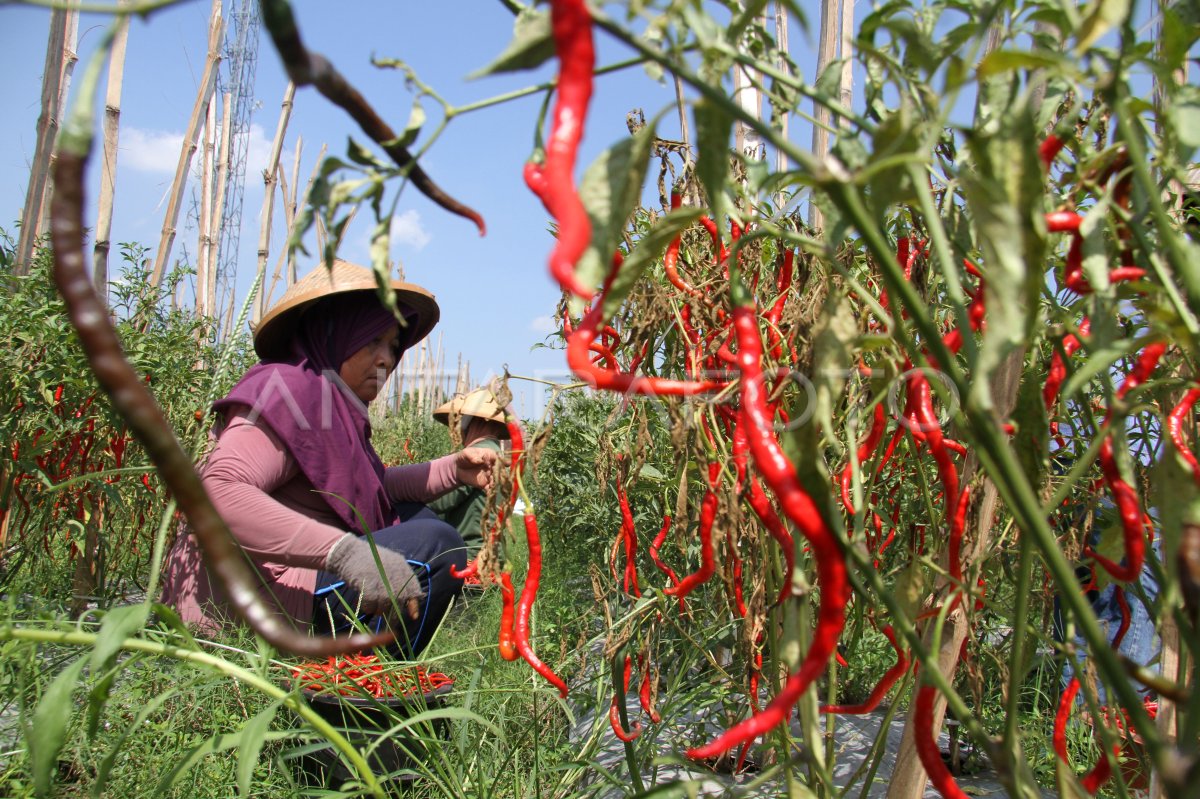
x=351, y=559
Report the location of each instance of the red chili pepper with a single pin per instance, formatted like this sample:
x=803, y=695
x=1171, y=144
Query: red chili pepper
x=927, y=747
x=1175, y=422
x=580, y=344
x=58, y=394
x=629, y=538
x=868, y=445
x=553, y=181
x=508, y=647
x=614, y=710
x=708, y=514
x=1050, y=147
x=525, y=606
x=762, y=508
x=1101, y=772
x=1125, y=497
x=1058, y=370
x=882, y=687
x=658, y=562
x=646, y=692
x=800, y=509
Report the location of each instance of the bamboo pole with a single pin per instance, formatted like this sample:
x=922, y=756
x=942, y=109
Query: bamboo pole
x=47, y=131
x=269, y=178
x=204, y=241
x=846, y=82
x=288, y=192
x=826, y=53
x=217, y=215
x=108, y=167
x=67, y=62
x=208, y=82
x=781, y=40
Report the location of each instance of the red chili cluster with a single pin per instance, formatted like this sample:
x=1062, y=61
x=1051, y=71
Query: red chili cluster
x=361, y=674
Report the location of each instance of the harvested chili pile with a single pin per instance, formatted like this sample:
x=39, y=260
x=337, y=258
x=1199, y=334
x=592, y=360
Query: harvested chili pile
x=355, y=675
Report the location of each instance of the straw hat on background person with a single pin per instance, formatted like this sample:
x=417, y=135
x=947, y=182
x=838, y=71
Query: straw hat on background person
x=480, y=403
x=273, y=334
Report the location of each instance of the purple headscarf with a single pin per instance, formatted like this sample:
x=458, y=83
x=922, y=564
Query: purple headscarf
x=320, y=421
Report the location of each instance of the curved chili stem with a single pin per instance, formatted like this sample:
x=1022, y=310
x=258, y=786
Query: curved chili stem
x=781, y=477
x=226, y=561
x=306, y=68
x=525, y=606
x=890, y=677
x=553, y=180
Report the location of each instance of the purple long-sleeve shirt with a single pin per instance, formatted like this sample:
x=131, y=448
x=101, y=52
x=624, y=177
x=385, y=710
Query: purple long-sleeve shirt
x=285, y=527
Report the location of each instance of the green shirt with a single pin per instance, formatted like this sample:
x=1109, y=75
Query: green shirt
x=463, y=506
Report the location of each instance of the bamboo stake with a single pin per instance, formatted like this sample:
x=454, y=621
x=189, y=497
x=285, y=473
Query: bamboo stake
x=205, y=223
x=217, y=217
x=67, y=64
x=291, y=278
x=826, y=52
x=47, y=131
x=781, y=40
x=108, y=173
x=288, y=191
x=846, y=83
x=269, y=175
x=208, y=82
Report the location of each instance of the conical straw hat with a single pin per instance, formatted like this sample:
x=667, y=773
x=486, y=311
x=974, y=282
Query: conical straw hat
x=479, y=402
x=274, y=332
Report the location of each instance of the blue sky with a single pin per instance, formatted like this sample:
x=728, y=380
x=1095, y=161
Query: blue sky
x=495, y=295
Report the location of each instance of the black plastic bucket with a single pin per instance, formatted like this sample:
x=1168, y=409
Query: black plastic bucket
x=365, y=724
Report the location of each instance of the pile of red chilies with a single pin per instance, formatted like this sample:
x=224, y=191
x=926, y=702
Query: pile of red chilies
x=365, y=675
x=590, y=348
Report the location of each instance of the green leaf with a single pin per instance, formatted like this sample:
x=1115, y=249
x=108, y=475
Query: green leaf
x=48, y=732
x=532, y=45
x=253, y=735
x=830, y=81
x=609, y=190
x=1184, y=116
x=834, y=335
x=649, y=250
x=1099, y=18
x=416, y=120
x=359, y=154
x=117, y=625
x=999, y=61
x=713, y=126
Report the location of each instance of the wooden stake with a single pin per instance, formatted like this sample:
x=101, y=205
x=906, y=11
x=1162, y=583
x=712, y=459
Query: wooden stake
x=108, y=167
x=268, y=207
x=217, y=217
x=208, y=82
x=204, y=242
x=47, y=131
x=826, y=52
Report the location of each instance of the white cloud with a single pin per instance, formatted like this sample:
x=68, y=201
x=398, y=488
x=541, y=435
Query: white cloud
x=407, y=229
x=543, y=324
x=149, y=150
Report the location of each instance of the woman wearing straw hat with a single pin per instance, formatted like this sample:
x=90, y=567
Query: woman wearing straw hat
x=294, y=475
x=482, y=425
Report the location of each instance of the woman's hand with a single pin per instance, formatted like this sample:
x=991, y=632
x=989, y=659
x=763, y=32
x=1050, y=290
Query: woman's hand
x=474, y=467
x=351, y=559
